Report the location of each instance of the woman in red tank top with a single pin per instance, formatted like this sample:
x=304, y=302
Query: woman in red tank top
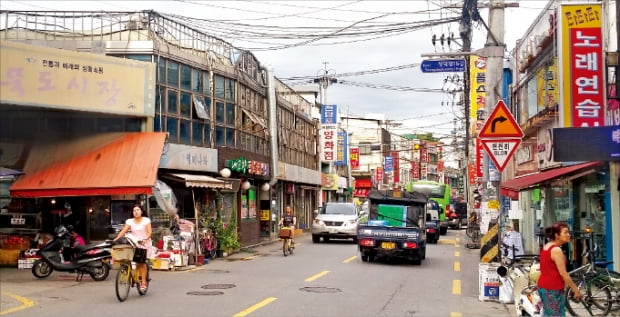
x=553, y=276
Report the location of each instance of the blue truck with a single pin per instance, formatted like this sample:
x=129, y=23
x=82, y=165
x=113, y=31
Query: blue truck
x=396, y=226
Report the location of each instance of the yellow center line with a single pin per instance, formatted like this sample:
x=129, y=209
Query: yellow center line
x=457, y=266
x=254, y=307
x=456, y=287
x=455, y=314
x=457, y=253
x=25, y=304
x=350, y=259
x=457, y=240
x=312, y=278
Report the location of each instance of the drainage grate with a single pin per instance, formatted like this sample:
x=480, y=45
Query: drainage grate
x=320, y=289
x=218, y=286
x=205, y=293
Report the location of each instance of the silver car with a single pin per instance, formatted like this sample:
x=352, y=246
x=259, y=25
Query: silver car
x=336, y=220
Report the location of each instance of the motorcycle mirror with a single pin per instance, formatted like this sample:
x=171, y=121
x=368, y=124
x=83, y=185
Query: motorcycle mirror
x=502, y=271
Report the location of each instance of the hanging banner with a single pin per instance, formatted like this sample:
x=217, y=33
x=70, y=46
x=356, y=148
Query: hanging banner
x=479, y=158
x=478, y=69
x=582, y=68
x=396, y=167
x=341, y=150
x=355, y=158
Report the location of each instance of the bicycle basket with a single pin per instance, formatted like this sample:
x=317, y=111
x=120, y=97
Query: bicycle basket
x=122, y=252
x=139, y=255
x=285, y=233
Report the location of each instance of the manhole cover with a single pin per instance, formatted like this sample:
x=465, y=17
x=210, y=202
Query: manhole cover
x=320, y=289
x=205, y=293
x=218, y=286
x=218, y=271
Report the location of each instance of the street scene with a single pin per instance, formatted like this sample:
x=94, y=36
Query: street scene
x=305, y=158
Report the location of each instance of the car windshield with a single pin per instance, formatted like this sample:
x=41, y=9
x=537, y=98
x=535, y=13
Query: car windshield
x=339, y=210
x=433, y=191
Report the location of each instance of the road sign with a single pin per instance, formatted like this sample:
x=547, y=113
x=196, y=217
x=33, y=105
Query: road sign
x=500, y=124
x=443, y=65
x=500, y=150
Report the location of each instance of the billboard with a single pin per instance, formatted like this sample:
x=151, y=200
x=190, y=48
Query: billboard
x=594, y=144
x=582, y=67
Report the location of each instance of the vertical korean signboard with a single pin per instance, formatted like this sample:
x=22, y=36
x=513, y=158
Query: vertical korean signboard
x=329, y=133
x=355, y=158
x=396, y=167
x=341, y=152
x=582, y=101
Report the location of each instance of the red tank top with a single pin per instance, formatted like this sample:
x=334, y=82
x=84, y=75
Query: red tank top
x=549, y=275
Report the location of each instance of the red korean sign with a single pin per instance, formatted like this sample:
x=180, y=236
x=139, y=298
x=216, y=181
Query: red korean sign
x=354, y=158
x=479, y=158
x=582, y=57
x=415, y=170
x=396, y=167
x=379, y=175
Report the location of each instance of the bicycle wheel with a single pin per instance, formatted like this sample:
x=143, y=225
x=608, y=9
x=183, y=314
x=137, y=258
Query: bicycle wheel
x=596, y=300
x=285, y=247
x=123, y=282
x=475, y=236
x=290, y=246
x=470, y=229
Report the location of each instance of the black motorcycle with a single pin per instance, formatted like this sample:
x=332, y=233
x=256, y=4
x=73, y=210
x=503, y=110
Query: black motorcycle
x=57, y=254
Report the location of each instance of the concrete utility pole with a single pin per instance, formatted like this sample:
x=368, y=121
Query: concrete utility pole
x=324, y=80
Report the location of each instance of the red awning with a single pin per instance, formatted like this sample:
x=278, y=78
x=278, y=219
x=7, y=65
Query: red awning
x=105, y=164
x=361, y=192
x=512, y=187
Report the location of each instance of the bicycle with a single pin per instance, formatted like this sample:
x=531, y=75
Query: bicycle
x=127, y=275
x=595, y=285
x=473, y=227
x=287, y=244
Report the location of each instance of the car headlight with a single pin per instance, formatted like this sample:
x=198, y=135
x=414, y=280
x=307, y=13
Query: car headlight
x=319, y=222
x=352, y=222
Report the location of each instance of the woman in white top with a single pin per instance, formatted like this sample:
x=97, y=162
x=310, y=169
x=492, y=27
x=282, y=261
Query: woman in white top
x=140, y=226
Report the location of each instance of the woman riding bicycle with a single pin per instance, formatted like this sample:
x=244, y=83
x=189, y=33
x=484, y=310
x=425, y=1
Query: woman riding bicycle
x=141, y=230
x=289, y=220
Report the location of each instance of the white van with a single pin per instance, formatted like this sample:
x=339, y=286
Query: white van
x=336, y=220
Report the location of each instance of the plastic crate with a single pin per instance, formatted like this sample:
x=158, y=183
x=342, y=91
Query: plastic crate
x=122, y=252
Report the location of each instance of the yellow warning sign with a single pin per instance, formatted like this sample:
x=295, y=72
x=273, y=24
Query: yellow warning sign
x=501, y=124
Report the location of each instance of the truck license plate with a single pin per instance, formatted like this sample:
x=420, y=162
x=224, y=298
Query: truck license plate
x=388, y=245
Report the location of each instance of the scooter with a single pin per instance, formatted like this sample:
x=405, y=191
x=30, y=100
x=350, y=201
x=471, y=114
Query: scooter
x=522, y=273
x=92, y=259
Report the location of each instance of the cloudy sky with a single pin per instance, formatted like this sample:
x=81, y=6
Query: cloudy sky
x=301, y=39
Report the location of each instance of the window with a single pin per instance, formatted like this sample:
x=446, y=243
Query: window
x=230, y=89
x=173, y=106
x=197, y=129
x=171, y=125
x=230, y=137
x=138, y=57
x=219, y=112
x=219, y=87
x=365, y=149
x=161, y=70
x=230, y=114
x=185, y=135
x=197, y=80
x=186, y=104
x=172, y=75
x=220, y=137
x=186, y=77
x=206, y=89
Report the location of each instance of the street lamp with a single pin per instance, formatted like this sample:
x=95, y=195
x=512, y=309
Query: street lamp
x=225, y=172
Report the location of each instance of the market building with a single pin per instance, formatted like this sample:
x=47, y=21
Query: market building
x=121, y=104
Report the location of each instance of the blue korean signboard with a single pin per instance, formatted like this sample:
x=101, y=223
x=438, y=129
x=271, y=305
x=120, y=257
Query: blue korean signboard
x=342, y=159
x=329, y=114
x=443, y=66
x=388, y=163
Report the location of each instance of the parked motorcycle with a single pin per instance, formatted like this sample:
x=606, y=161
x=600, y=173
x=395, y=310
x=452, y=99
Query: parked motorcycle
x=89, y=259
x=521, y=273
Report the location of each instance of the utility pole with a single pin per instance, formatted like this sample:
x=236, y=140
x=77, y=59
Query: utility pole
x=324, y=80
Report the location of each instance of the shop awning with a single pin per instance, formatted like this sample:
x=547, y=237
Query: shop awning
x=104, y=164
x=512, y=187
x=204, y=181
x=361, y=192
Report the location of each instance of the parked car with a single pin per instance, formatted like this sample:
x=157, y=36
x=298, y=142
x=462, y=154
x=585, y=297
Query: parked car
x=458, y=216
x=336, y=220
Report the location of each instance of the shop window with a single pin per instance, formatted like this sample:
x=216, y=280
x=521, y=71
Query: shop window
x=172, y=74
x=186, y=105
x=173, y=102
x=186, y=77
x=219, y=112
x=185, y=132
x=172, y=129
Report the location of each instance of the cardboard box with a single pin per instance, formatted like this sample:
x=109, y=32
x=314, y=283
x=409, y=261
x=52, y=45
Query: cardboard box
x=162, y=264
